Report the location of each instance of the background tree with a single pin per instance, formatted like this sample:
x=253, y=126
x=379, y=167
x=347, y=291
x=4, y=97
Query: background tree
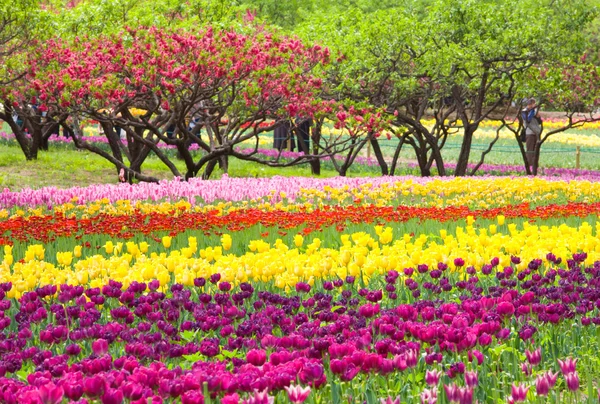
x=456, y=67
x=569, y=86
x=21, y=22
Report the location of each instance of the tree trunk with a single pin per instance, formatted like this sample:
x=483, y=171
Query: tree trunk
x=315, y=164
x=523, y=154
x=423, y=166
x=536, y=157
x=379, y=156
x=343, y=170
x=224, y=163
x=396, y=156
x=465, y=151
x=210, y=167
x=36, y=141
x=113, y=140
x=23, y=141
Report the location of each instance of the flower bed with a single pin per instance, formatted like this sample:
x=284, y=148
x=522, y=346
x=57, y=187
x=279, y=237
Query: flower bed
x=298, y=290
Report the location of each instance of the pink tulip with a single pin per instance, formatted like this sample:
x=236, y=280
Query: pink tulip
x=567, y=366
x=572, y=380
x=100, y=347
x=519, y=392
x=534, y=357
x=297, y=394
x=432, y=377
x=542, y=386
x=471, y=379
x=429, y=396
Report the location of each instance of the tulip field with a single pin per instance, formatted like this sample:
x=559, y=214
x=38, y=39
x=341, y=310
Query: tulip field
x=290, y=290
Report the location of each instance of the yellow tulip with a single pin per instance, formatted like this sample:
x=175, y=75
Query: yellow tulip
x=109, y=247
x=226, y=242
x=298, y=240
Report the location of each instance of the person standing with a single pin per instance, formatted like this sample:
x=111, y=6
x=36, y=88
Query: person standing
x=533, y=128
x=282, y=135
x=303, y=129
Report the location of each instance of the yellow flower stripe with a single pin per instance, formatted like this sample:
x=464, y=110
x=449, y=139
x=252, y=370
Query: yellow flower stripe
x=360, y=254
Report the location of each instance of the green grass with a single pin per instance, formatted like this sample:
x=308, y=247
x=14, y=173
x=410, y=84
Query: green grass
x=64, y=166
x=506, y=152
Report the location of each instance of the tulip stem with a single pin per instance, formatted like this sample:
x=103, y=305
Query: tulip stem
x=206, y=393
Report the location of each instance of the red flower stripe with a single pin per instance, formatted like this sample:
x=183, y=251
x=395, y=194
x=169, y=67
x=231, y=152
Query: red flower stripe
x=48, y=228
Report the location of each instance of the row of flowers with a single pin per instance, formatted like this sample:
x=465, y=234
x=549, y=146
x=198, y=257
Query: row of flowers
x=282, y=265
x=127, y=223
x=418, y=333
x=304, y=193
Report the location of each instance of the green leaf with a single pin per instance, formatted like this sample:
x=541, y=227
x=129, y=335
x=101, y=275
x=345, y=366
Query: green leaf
x=193, y=358
x=335, y=393
x=22, y=374
x=371, y=399
x=188, y=335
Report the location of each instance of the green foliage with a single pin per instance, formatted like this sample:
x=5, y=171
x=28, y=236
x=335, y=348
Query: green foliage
x=18, y=22
x=95, y=17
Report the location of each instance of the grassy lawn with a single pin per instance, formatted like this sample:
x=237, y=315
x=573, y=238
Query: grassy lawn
x=64, y=166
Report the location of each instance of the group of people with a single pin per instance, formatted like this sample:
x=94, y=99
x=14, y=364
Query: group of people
x=284, y=134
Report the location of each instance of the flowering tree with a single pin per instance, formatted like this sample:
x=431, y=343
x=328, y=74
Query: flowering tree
x=18, y=23
x=232, y=86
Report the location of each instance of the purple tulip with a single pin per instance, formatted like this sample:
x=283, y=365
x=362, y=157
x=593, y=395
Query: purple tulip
x=112, y=396
x=505, y=309
x=94, y=386
x=257, y=357
x=476, y=355
x=526, y=369
x=542, y=386
x=192, y=397
x=51, y=394
x=73, y=350
x=231, y=399
x=471, y=379
x=100, y=347
x=534, y=357
x=302, y=287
